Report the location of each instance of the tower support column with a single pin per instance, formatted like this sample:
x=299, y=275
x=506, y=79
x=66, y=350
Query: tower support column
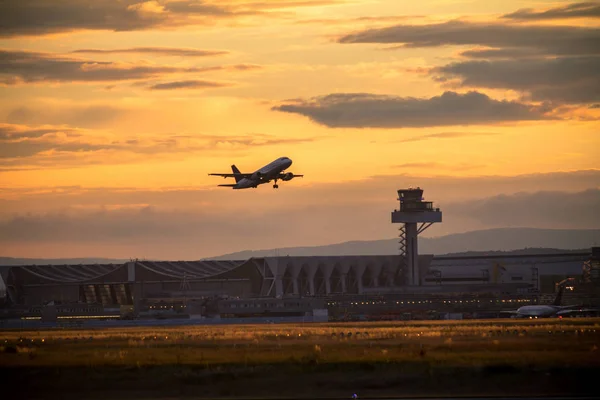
x=412, y=254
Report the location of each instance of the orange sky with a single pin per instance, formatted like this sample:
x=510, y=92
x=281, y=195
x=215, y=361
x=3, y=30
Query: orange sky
x=109, y=110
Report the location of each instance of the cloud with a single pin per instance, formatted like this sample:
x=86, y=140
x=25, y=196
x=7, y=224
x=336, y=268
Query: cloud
x=576, y=10
x=162, y=51
x=254, y=139
x=87, y=116
x=545, y=62
x=350, y=21
x=55, y=144
x=144, y=230
x=30, y=67
x=28, y=148
x=281, y=4
x=195, y=84
x=379, y=191
x=444, y=135
x=10, y=132
x=566, y=79
x=552, y=40
x=438, y=166
x=361, y=110
x=542, y=209
x=502, y=53
x=39, y=17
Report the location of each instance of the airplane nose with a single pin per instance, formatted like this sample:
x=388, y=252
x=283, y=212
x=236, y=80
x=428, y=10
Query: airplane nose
x=288, y=163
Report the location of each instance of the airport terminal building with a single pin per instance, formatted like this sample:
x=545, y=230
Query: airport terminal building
x=281, y=283
x=338, y=286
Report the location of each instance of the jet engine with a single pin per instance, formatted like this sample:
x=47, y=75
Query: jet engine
x=287, y=177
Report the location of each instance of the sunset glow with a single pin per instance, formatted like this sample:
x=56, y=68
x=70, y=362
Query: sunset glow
x=112, y=114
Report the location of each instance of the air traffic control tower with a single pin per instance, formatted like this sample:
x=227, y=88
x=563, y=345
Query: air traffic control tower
x=416, y=215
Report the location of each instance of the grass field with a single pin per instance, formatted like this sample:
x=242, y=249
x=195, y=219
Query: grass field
x=309, y=360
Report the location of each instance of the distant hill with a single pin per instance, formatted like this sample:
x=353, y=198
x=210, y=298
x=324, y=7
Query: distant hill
x=491, y=241
x=525, y=240
x=58, y=261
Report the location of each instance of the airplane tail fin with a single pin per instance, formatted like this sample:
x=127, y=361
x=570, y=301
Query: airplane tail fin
x=558, y=298
x=237, y=174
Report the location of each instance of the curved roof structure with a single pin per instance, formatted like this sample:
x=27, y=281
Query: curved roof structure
x=190, y=269
x=90, y=272
x=70, y=273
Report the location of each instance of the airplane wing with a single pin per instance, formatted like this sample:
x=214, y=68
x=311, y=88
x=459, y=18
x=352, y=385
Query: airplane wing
x=231, y=175
x=578, y=310
x=511, y=312
x=293, y=175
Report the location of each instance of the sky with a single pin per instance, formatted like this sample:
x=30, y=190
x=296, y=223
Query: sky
x=113, y=113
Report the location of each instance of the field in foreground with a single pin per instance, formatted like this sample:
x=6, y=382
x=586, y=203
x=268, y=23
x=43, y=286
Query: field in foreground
x=442, y=358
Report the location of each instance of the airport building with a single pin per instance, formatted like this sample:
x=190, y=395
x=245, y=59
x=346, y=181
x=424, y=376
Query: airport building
x=334, y=286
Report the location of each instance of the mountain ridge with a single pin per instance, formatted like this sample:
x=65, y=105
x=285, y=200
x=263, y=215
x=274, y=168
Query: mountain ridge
x=489, y=240
x=501, y=241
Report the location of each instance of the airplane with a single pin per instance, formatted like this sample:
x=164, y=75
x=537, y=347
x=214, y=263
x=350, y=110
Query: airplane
x=550, y=310
x=272, y=171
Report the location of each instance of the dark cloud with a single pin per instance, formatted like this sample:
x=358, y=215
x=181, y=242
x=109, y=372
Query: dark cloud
x=194, y=84
x=520, y=54
x=541, y=209
x=557, y=40
x=39, y=17
x=576, y=10
x=29, y=67
x=36, y=17
x=164, y=51
x=360, y=110
x=567, y=79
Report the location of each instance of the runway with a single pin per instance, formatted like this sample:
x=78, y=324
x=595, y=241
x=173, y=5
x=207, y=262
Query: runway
x=375, y=398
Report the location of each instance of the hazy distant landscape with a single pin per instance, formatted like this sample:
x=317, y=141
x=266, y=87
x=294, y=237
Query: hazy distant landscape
x=514, y=240
x=490, y=240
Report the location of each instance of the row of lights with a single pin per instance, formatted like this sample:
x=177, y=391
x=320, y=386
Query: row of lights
x=431, y=302
x=75, y=317
x=166, y=307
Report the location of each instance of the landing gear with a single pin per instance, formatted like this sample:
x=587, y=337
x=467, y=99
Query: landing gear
x=275, y=185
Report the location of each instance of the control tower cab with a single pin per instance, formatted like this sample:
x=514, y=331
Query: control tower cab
x=416, y=215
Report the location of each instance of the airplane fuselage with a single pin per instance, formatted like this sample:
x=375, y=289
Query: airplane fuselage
x=264, y=174
x=538, y=311
x=274, y=171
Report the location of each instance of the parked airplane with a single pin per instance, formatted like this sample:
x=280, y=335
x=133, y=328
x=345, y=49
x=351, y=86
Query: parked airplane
x=551, y=310
x=270, y=172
